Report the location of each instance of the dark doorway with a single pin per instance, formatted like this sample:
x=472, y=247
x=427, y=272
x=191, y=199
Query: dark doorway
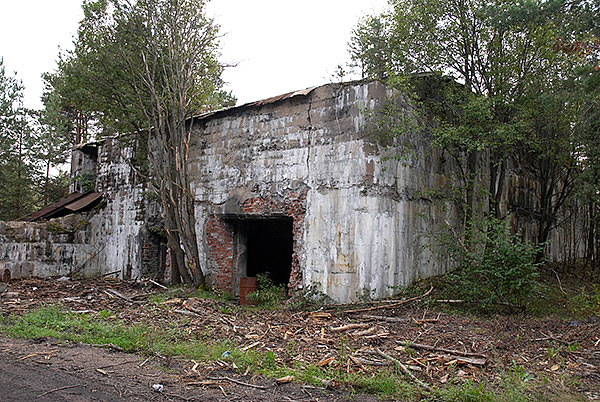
x=269, y=248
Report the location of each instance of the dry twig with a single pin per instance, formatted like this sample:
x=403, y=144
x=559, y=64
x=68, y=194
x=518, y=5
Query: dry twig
x=390, y=305
x=404, y=369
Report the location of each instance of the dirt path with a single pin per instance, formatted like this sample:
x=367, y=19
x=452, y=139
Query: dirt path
x=45, y=370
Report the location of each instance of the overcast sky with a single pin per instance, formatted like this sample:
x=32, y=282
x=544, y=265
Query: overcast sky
x=278, y=45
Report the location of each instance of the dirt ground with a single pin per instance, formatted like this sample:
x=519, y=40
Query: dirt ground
x=445, y=349
x=45, y=370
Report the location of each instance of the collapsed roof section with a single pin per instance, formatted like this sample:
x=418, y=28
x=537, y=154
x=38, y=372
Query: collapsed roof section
x=72, y=203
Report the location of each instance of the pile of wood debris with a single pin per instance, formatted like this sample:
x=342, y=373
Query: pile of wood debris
x=431, y=347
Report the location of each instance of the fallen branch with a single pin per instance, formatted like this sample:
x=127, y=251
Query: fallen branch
x=348, y=327
x=450, y=301
x=403, y=368
x=57, y=389
x=360, y=361
x=386, y=319
x=448, y=351
x=365, y=332
x=236, y=382
x=158, y=284
x=186, y=312
x=390, y=305
x=559, y=283
x=109, y=346
x=119, y=295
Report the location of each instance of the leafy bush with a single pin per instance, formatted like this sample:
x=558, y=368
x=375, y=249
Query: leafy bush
x=268, y=294
x=311, y=298
x=586, y=302
x=496, y=266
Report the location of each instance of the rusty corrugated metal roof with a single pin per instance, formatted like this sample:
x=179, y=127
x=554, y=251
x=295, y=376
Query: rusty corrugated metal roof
x=74, y=202
x=259, y=103
x=84, y=202
x=52, y=207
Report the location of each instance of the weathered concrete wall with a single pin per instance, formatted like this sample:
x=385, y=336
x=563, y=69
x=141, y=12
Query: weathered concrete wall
x=54, y=248
x=361, y=222
x=119, y=228
x=115, y=237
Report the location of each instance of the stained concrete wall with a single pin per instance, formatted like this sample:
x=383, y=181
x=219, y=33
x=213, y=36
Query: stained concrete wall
x=112, y=239
x=45, y=249
x=365, y=219
x=360, y=220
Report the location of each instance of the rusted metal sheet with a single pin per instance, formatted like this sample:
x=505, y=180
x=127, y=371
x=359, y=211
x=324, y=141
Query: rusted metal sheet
x=84, y=202
x=259, y=103
x=38, y=215
x=74, y=202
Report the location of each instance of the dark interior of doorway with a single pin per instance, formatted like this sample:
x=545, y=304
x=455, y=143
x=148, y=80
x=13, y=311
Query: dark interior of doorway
x=269, y=248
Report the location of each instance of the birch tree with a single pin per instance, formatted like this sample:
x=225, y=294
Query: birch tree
x=150, y=66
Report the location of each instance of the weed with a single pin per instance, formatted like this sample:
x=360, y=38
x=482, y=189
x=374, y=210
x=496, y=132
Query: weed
x=586, y=302
x=384, y=382
x=268, y=295
x=495, y=267
x=573, y=347
x=292, y=348
x=518, y=372
x=552, y=352
x=311, y=298
x=52, y=322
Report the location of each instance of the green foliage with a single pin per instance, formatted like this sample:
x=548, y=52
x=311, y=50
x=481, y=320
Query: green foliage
x=498, y=268
x=18, y=160
x=384, y=383
x=268, y=294
x=508, y=95
x=311, y=298
x=52, y=322
x=586, y=302
x=86, y=182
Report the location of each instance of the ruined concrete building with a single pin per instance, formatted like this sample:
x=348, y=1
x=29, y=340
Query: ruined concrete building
x=293, y=185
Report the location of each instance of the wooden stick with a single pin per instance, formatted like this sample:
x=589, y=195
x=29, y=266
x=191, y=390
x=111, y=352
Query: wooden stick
x=118, y=294
x=450, y=301
x=236, y=382
x=349, y=326
x=404, y=369
x=158, y=284
x=449, y=351
x=390, y=305
x=57, y=389
x=386, y=319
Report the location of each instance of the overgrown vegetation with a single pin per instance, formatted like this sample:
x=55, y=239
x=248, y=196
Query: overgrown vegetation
x=497, y=268
x=28, y=150
x=268, y=294
x=518, y=96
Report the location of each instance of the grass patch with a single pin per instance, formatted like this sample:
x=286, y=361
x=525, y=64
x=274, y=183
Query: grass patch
x=54, y=323
x=105, y=328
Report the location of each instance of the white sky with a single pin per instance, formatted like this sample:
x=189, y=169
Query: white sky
x=279, y=45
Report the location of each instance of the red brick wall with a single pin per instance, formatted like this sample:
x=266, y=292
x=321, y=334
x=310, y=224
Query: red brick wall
x=220, y=236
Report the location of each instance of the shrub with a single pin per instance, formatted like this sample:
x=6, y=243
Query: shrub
x=268, y=294
x=496, y=266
